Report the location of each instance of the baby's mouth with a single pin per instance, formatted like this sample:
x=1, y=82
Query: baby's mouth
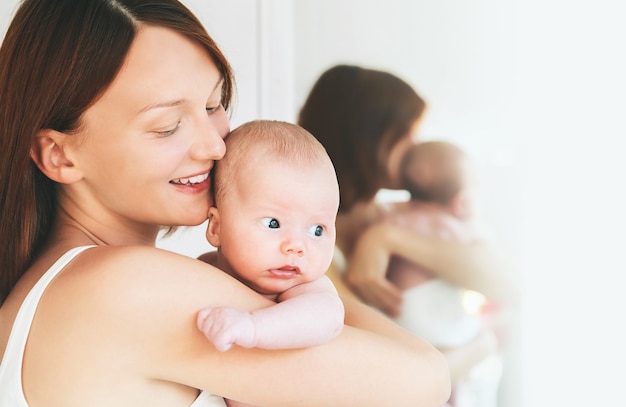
x=286, y=272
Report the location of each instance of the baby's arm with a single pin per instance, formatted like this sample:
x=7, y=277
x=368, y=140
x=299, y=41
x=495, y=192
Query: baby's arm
x=306, y=315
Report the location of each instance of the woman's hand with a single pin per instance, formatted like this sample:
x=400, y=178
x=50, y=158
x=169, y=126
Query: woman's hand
x=366, y=272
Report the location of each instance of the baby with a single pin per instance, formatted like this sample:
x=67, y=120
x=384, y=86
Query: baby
x=276, y=199
x=438, y=178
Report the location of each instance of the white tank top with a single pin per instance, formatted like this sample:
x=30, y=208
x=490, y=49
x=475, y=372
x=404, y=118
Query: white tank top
x=11, y=390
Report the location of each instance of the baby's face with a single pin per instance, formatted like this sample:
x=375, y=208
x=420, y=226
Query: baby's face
x=278, y=224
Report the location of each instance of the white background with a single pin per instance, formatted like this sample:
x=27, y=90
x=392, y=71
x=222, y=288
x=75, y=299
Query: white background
x=535, y=91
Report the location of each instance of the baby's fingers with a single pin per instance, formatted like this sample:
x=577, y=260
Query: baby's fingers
x=213, y=327
x=224, y=327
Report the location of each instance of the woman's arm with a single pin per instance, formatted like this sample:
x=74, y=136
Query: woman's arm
x=368, y=353
x=473, y=266
x=371, y=363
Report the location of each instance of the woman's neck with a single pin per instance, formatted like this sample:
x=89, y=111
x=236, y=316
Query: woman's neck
x=90, y=231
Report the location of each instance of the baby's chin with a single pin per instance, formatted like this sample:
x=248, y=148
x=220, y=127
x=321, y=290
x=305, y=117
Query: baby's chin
x=271, y=287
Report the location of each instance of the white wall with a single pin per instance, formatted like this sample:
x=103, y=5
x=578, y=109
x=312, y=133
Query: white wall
x=7, y=8
x=572, y=86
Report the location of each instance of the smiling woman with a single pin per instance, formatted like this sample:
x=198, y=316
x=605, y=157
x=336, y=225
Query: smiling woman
x=91, y=311
x=532, y=90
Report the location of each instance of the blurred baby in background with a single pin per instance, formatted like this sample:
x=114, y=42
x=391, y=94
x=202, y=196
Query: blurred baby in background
x=438, y=178
x=441, y=184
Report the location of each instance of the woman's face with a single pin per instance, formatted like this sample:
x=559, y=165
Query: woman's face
x=395, y=156
x=148, y=144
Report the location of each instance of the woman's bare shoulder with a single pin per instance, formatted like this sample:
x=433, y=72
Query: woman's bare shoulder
x=121, y=307
x=145, y=294
x=157, y=276
x=147, y=301
x=139, y=259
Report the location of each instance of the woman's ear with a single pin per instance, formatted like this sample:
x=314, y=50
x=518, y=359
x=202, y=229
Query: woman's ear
x=213, y=229
x=48, y=153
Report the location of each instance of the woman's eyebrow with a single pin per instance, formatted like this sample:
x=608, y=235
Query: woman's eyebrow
x=177, y=102
x=158, y=105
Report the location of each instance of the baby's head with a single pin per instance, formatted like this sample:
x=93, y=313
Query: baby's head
x=437, y=172
x=276, y=201
x=265, y=144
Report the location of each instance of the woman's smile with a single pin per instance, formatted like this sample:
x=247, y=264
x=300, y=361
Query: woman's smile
x=191, y=180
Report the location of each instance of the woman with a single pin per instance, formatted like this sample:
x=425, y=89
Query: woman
x=367, y=119
x=112, y=115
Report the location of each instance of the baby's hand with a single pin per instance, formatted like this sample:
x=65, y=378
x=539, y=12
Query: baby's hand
x=226, y=327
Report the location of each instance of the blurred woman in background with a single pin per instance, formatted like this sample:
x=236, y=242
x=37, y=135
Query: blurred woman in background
x=367, y=119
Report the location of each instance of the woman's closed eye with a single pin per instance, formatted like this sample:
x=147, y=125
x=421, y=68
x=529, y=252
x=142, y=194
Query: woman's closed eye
x=210, y=110
x=169, y=131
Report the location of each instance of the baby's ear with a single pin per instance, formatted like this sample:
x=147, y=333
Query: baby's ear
x=48, y=151
x=213, y=229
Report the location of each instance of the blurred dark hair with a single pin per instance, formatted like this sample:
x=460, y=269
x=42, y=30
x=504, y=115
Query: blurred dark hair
x=358, y=115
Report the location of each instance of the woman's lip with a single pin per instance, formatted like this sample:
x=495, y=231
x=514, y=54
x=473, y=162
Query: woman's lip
x=195, y=188
x=192, y=179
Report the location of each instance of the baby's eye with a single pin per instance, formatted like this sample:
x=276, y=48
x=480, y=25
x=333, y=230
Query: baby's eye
x=271, y=223
x=316, y=230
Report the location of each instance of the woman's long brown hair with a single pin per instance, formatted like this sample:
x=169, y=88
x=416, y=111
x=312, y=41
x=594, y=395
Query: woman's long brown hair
x=57, y=59
x=359, y=114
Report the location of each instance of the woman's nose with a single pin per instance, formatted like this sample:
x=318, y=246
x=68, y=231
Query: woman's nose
x=208, y=143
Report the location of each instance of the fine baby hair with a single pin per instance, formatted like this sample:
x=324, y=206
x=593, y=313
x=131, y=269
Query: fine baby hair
x=433, y=171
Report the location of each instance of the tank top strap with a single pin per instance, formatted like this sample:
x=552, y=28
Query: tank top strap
x=206, y=399
x=11, y=365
